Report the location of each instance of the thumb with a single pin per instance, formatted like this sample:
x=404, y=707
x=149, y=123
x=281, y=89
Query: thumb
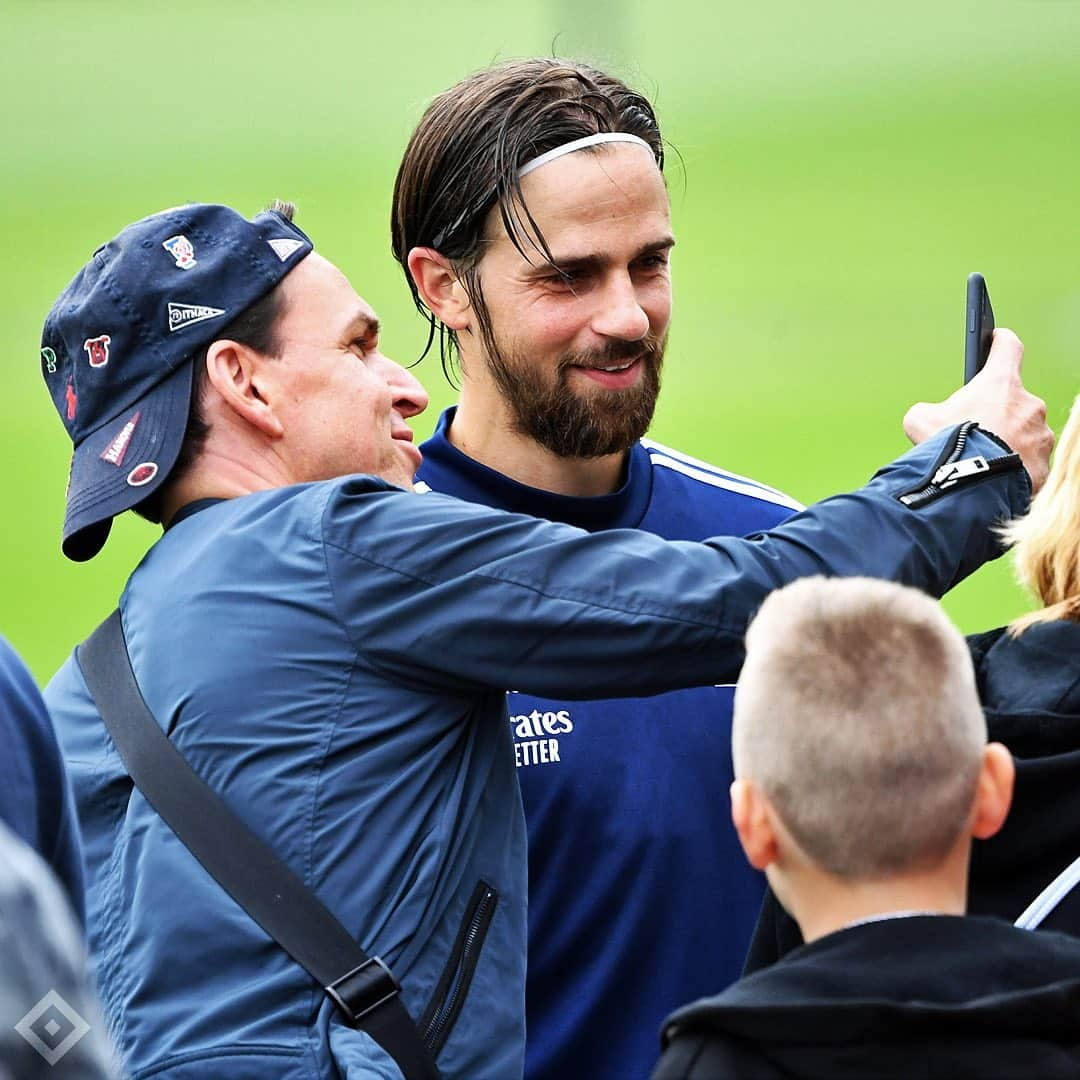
x=1006, y=354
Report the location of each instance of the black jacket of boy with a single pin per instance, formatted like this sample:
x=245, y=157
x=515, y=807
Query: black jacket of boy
x=923, y=996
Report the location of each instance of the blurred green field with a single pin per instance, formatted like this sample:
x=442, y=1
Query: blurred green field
x=843, y=167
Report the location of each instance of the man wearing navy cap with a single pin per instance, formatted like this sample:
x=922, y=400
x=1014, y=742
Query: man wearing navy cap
x=328, y=653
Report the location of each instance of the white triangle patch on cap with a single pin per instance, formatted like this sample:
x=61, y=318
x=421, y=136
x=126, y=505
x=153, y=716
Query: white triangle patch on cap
x=182, y=315
x=284, y=248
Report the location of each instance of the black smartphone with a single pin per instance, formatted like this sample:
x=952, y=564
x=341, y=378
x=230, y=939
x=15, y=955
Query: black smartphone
x=978, y=326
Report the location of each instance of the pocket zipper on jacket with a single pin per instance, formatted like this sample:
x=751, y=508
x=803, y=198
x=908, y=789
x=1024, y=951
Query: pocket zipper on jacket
x=955, y=471
x=457, y=976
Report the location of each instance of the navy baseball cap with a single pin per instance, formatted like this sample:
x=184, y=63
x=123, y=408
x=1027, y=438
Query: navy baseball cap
x=118, y=346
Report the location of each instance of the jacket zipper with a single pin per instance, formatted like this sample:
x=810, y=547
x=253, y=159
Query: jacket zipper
x=458, y=973
x=952, y=471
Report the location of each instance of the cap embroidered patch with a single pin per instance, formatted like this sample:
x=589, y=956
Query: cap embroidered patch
x=142, y=474
x=97, y=348
x=115, y=451
x=72, y=400
x=48, y=358
x=181, y=315
x=284, y=248
x=180, y=248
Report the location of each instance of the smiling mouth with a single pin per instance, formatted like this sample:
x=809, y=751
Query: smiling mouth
x=622, y=364
x=615, y=374
x=412, y=452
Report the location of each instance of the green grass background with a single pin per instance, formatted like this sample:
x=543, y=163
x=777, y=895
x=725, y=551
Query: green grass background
x=844, y=167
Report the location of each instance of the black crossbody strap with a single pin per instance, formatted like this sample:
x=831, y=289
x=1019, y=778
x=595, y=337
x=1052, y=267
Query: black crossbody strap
x=362, y=987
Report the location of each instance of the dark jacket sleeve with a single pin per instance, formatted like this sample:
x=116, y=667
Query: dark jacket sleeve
x=36, y=801
x=455, y=597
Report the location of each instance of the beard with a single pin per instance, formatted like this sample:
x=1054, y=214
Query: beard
x=580, y=423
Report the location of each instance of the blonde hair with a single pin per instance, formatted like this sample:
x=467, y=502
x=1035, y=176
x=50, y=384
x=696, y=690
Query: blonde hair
x=1047, y=539
x=858, y=717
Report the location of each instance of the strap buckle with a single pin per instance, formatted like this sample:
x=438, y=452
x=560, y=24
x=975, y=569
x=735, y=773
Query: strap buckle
x=363, y=989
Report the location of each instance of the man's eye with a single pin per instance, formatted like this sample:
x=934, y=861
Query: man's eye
x=653, y=262
x=566, y=279
x=366, y=344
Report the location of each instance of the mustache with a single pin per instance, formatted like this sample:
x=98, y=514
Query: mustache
x=649, y=348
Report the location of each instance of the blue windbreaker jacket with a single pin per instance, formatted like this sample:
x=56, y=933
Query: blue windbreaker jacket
x=331, y=658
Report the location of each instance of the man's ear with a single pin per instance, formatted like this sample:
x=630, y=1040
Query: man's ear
x=993, y=794
x=440, y=287
x=236, y=372
x=753, y=823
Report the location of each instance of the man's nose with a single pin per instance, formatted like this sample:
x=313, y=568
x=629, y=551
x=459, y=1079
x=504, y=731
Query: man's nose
x=410, y=397
x=619, y=313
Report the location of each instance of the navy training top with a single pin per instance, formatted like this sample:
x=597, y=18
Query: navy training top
x=640, y=897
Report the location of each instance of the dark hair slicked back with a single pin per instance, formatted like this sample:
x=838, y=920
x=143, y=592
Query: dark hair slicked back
x=464, y=156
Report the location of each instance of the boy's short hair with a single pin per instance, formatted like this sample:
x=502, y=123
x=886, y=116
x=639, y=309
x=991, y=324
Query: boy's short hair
x=858, y=717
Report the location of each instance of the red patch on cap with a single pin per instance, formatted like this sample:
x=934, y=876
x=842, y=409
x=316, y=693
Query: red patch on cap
x=97, y=348
x=72, y=400
x=142, y=474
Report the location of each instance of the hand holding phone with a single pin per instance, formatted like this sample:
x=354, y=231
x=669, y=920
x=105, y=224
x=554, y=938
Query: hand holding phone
x=978, y=326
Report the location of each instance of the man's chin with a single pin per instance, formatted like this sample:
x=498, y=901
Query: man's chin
x=593, y=433
x=585, y=412
x=402, y=475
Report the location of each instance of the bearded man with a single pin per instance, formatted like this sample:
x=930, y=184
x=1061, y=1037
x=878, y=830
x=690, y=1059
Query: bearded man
x=532, y=219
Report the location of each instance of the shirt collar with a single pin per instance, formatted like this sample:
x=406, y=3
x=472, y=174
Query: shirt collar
x=448, y=470
x=191, y=509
